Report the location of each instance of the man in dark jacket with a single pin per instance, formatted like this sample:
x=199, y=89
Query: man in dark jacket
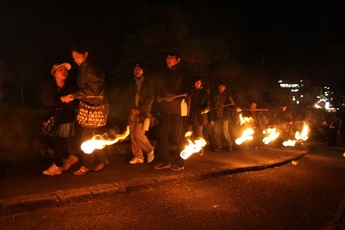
x=172, y=91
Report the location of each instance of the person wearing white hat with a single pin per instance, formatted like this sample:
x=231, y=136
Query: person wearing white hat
x=65, y=113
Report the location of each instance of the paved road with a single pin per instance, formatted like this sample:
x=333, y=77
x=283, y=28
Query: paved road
x=25, y=188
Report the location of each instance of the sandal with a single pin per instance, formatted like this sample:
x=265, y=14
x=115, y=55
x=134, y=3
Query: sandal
x=101, y=166
x=81, y=171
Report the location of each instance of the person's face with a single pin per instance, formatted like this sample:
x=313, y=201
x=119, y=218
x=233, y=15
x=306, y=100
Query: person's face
x=79, y=58
x=197, y=84
x=253, y=105
x=138, y=72
x=61, y=73
x=221, y=88
x=172, y=60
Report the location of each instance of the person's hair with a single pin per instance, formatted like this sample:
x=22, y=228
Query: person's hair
x=80, y=48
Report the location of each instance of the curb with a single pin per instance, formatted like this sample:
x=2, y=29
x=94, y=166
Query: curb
x=65, y=197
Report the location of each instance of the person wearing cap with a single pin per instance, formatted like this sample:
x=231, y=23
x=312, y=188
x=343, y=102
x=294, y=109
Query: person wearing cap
x=140, y=96
x=65, y=112
x=172, y=90
x=222, y=102
x=91, y=93
x=199, y=103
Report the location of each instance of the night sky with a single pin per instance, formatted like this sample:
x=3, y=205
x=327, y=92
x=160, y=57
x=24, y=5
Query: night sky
x=294, y=39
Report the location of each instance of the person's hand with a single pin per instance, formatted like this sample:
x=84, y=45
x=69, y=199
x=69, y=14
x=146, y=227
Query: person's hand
x=66, y=99
x=135, y=111
x=212, y=123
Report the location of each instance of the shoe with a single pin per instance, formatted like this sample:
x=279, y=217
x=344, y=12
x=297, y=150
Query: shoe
x=81, y=171
x=177, y=168
x=67, y=164
x=218, y=149
x=101, y=166
x=162, y=166
x=229, y=149
x=53, y=170
x=136, y=160
x=150, y=156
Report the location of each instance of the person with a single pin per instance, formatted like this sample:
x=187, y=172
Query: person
x=222, y=102
x=65, y=113
x=334, y=128
x=140, y=96
x=199, y=104
x=91, y=92
x=171, y=93
x=283, y=121
x=258, y=123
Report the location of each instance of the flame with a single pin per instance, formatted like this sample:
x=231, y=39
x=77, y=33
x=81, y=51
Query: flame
x=304, y=134
x=193, y=147
x=289, y=143
x=97, y=142
x=272, y=134
x=247, y=134
x=245, y=119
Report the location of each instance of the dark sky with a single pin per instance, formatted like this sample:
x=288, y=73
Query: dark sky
x=294, y=39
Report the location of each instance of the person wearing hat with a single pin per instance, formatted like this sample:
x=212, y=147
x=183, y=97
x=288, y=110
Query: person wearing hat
x=199, y=103
x=65, y=113
x=140, y=96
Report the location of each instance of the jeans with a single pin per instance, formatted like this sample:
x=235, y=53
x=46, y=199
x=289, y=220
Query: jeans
x=221, y=129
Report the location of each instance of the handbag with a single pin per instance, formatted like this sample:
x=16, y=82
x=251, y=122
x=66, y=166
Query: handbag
x=49, y=126
x=92, y=116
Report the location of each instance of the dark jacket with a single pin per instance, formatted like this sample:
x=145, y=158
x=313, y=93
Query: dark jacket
x=199, y=102
x=91, y=82
x=221, y=108
x=145, y=100
x=176, y=81
x=51, y=94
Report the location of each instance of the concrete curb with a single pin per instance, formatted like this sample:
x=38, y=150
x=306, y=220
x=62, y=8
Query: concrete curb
x=65, y=197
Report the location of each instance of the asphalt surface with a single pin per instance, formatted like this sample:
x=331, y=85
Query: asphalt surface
x=25, y=188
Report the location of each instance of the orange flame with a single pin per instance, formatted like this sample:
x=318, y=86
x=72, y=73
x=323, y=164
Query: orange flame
x=247, y=134
x=193, y=147
x=271, y=133
x=97, y=142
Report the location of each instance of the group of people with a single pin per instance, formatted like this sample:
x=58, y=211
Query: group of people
x=60, y=95
x=185, y=106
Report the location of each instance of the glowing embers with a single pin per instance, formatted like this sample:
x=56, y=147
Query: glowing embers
x=193, y=146
x=100, y=141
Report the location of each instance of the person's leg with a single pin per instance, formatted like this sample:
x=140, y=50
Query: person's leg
x=87, y=159
x=227, y=134
x=177, y=125
x=142, y=140
x=59, y=148
x=135, y=145
x=218, y=127
x=164, y=126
